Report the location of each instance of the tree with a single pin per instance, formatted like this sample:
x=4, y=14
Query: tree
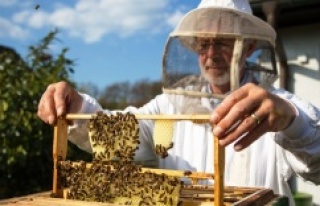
x=143, y=91
x=123, y=94
x=26, y=162
x=115, y=96
x=26, y=142
x=89, y=88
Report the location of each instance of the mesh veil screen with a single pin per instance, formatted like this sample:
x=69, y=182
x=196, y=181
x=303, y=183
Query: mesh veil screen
x=182, y=77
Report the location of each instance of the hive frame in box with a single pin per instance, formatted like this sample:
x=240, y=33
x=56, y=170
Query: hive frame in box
x=60, y=150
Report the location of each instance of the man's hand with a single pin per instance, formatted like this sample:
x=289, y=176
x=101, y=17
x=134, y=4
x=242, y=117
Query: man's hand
x=248, y=113
x=59, y=98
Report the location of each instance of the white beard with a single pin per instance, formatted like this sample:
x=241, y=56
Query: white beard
x=215, y=80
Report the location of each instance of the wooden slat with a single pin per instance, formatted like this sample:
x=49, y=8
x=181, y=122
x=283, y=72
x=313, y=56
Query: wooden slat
x=148, y=117
x=227, y=189
x=191, y=196
x=235, y=65
x=60, y=141
x=219, y=162
x=261, y=197
x=62, y=202
x=42, y=201
x=25, y=198
x=175, y=173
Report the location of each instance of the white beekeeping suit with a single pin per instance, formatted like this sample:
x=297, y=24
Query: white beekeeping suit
x=271, y=160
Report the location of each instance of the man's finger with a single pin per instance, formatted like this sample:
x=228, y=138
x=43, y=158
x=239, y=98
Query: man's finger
x=60, y=95
x=252, y=136
x=226, y=105
x=47, y=110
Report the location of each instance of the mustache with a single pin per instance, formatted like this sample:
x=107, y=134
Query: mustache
x=216, y=62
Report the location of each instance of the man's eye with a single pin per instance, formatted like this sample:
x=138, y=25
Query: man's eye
x=203, y=45
x=221, y=44
x=206, y=43
x=224, y=44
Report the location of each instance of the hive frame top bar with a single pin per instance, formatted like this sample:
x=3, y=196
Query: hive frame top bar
x=72, y=116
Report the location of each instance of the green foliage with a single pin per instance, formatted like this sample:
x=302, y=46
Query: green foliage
x=25, y=141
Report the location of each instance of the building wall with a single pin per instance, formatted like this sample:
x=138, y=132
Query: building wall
x=302, y=45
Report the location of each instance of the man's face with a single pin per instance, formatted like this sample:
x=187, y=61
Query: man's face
x=215, y=57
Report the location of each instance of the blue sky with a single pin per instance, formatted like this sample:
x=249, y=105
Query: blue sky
x=110, y=40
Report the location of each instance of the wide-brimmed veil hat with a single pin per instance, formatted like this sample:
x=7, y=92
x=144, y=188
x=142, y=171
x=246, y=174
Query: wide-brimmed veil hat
x=240, y=5
x=223, y=18
x=219, y=19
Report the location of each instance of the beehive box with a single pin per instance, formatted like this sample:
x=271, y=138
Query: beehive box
x=248, y=197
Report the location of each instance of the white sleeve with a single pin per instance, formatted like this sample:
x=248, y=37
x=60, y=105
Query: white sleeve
x=78, y=133
x=301, y=140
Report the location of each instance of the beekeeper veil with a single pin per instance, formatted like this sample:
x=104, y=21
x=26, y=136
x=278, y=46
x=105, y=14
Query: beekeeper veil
x=228, y=26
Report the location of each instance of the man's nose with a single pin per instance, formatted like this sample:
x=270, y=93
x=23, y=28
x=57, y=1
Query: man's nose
x=212, y=51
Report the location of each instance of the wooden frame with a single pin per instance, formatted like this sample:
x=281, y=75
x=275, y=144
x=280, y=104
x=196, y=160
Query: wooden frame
x=219, y=192
x=60, y=150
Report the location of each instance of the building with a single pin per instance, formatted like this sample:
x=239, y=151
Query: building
x=297, y=23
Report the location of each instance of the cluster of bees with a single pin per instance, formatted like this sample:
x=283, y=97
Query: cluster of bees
x=118, y=182
x=114, y=136
x=113, y=176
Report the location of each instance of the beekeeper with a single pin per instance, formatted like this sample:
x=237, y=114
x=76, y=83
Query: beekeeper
x=219, y=60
